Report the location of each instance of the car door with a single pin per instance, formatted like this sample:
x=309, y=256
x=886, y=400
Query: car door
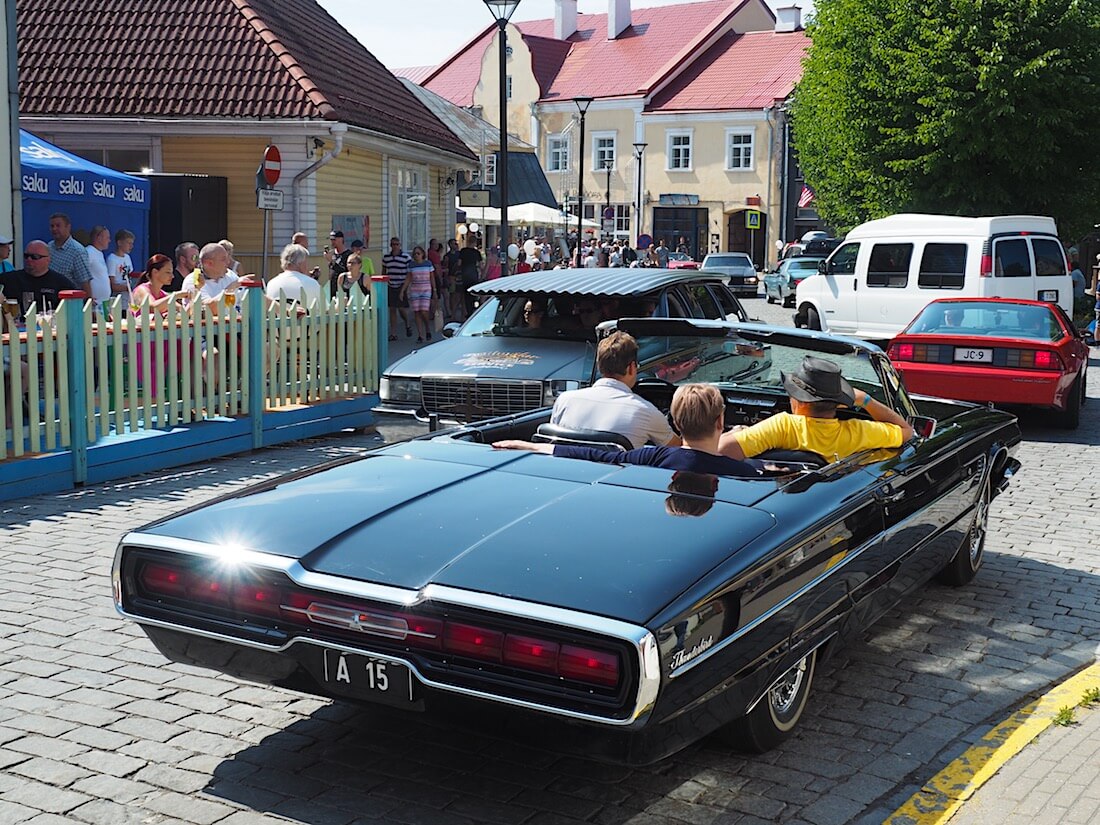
x=836, y=295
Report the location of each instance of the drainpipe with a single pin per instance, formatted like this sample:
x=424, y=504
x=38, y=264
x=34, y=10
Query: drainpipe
x=784, y=183
x=768, y=112
x=338, y=130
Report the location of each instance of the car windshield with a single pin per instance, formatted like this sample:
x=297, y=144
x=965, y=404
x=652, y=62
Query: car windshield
x=728, y=260
x=559, y=317
x=983, y=318
x=736, y=360
x=803, y=263
x=679, y=256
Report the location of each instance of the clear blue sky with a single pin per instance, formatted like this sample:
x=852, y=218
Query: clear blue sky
x=424, y=32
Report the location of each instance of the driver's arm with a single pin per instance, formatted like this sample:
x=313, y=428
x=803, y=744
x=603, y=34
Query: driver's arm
x=880, y=412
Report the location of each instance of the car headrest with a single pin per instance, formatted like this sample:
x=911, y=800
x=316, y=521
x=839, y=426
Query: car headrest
x=605, y=439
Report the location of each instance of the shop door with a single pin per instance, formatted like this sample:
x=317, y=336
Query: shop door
x=672, y=223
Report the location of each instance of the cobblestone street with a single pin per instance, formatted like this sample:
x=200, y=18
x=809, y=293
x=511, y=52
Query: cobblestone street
x=96, y=727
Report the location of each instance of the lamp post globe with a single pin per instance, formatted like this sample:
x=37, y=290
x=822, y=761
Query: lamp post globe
x=502, y=11
x=582, y=106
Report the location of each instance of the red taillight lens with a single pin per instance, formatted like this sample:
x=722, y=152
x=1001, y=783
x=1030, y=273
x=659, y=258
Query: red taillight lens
x=985, y=270
x=1045, y=360
x=425, y=633
x=587, y=665
x=531, y=654
x=159, y=580
x=467, y=640
x=901, y=352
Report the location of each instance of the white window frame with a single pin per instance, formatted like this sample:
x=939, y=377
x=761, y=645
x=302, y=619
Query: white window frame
x=489, y=164
x=670, y=134
x=564, y=151
x=599, y=155
x=751, y=135
x=410, y=216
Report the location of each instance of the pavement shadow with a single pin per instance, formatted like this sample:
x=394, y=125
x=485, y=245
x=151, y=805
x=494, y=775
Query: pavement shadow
x=886, y=713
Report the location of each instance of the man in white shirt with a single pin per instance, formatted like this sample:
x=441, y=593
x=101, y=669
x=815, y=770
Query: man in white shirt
x=610, y=404
x=100, y=285
x=212, y=278
x=294, y=282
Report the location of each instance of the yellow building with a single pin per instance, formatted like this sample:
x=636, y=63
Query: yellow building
x=686, y=135
x=360, y=153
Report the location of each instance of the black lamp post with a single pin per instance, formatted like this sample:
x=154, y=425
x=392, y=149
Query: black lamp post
x=582, y=106
x=639, y=149
x=502, y=11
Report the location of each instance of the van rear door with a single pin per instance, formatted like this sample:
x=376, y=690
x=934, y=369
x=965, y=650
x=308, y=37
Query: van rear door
x=883, y=297
x=1031, y=267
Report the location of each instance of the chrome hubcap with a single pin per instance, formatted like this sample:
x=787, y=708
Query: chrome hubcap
x=784, y=694
x=977, y=532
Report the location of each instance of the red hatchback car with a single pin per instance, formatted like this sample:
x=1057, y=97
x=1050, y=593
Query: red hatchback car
x=1000, y=350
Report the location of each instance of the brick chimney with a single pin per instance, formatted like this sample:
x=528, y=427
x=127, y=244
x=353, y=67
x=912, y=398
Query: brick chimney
x=565, y=19
x=788, y=18
x=618, y=17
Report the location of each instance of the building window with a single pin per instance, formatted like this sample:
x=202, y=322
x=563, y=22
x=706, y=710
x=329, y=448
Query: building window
x=603, y=150
x=622, y=219
x=409, y=203
x=489, y=164
x=679, y=151
x=738, y=151
x=508, y=86
x=557, y=153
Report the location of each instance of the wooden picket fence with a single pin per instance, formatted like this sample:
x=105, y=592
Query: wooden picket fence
x=86, y=375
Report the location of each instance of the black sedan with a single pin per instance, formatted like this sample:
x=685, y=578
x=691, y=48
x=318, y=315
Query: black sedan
x=626, y=610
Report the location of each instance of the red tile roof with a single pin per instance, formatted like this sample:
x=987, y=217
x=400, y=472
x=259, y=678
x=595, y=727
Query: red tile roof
x=596, y=66
x=718, y=78
x=210, y=59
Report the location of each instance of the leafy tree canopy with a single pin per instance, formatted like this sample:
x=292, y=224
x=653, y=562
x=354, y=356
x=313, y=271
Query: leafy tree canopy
x=966, y=107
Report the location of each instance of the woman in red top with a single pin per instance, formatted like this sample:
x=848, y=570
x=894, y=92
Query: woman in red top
x=521, y=263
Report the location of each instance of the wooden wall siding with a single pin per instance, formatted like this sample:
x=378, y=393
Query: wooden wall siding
x=235, y=158
x=352, y=185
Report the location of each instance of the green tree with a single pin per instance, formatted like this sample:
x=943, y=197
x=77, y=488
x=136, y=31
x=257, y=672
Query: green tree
x=965, y=107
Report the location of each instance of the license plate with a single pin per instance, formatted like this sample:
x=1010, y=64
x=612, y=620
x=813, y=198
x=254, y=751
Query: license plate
x=1050, y=295
x=974, y=356
x=366, y=678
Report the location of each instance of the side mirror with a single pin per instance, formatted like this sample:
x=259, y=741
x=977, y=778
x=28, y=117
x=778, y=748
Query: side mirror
x=450, y=329
x=758, y=267
x=923, y=426
x=823, y=267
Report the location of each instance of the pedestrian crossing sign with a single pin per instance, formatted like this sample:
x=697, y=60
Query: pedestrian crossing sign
x=752, y=219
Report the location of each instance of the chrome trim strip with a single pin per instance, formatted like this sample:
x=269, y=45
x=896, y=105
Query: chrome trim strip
x=639, y=638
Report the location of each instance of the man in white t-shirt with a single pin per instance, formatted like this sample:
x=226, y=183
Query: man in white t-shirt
x=294, y=281
x=212, y=278
x=610, y=404
x=119, y=264
x=99, y=287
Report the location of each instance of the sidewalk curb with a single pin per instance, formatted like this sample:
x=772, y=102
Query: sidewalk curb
x=942, y=795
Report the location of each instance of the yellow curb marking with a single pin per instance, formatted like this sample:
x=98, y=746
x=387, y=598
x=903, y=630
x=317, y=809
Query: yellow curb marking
x=944, y=793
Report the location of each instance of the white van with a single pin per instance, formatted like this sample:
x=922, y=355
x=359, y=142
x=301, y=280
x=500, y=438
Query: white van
x=887, y=270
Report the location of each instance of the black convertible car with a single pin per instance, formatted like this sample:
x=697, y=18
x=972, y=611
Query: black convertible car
x=631, y=610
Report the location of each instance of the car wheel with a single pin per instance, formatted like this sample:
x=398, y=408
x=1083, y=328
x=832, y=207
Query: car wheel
x=778, y=711
x=813, y=320
x=968, y=558
x=1070, y=417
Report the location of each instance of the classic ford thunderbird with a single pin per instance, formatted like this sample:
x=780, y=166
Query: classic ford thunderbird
x=629, y=610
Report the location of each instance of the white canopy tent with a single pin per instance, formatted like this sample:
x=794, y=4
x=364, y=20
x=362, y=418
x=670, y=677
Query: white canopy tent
x=530, y=214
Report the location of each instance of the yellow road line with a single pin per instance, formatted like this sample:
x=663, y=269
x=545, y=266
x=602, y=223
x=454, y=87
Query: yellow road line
x=944, y=793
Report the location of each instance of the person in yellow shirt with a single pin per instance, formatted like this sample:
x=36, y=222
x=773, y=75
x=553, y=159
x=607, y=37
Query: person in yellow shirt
x=816, y=390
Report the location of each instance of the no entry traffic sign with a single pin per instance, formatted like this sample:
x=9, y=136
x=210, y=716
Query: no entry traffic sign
x=272, y=165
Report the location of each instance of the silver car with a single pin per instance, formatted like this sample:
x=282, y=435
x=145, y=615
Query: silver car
x=738, y=267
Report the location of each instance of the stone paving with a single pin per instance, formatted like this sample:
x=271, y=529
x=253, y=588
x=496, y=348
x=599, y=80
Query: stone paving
x=95, y=727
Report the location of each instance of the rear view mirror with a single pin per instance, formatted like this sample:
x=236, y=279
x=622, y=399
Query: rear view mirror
x=823, y=267
x=451, y=329
x=923, y=426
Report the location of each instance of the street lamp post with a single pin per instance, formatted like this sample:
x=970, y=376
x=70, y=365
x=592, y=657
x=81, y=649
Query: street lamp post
x=502, y=11
x=582, y=106
x=607, y=203
x=639, y=149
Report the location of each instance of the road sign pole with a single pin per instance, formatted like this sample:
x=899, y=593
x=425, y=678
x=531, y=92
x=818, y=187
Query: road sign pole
x=263, y=245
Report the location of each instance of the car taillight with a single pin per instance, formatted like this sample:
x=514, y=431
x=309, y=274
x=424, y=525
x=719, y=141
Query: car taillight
x=901, y=352
x=477, y=642
x=163, y=581
x=1030, y=359
x=588, y=665
x=531, y=654
x=1045, y=360
x=985, y=270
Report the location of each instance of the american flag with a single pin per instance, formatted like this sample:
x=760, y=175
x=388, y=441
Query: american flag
x=806, y=198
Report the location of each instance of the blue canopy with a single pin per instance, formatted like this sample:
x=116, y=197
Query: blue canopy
x=54, y=180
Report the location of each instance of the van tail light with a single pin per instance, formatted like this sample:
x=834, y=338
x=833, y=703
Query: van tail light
x=985, y=270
